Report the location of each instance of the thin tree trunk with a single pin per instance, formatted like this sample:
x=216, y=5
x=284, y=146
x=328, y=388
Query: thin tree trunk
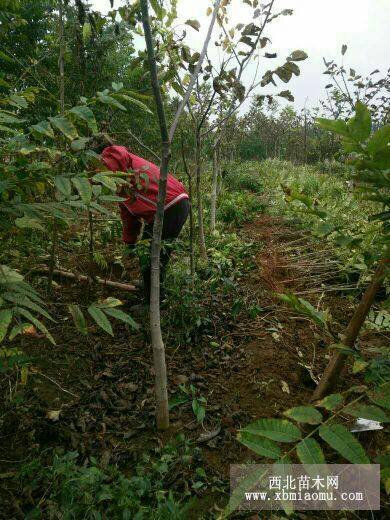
x=161, y=390
x=52, y=261
x=191, y=217
x=91, y=243
x=61, y=67
x=305, y=140
x=336, y=364
x=61, y=58
x=162, y=412
x=214, y=186
x=202, y=242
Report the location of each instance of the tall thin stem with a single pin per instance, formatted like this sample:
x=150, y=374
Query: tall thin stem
x=214, y=186
x=191, y=216
x=61, y=68
x=198, y=165
x=161, y=390
x=336, y=364
x=162, y=413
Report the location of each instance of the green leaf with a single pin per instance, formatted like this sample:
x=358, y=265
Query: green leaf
x=9, y=119
x=78, y=318
x=116, y=87
x=8, y=129
x=341, y=440
x=381, y=396
x=331, y=402
x=136, y=102
x=286, y=94
x=120, y=315
x=110, y=302
x=84, y=188
x=63, y=185
x=24, y=301
x=43, y=128
x=5, y=57
x=297, y=56
x=259, y=445
x=100, y=318
x=177, y=400
x=157, y=8
x=106, y=180
x=28, y=223
x=84, y=113
x=98, y=208
x=40, y=326
x=18, y=101
x=338, y=126
x=379, y=140
x=79, y=144
x=359, y=365
x=111, y=198
x=64, y=126
x=109, y=100
x=324, y=228
x=5, y=320
x=252, y=477
x=18, y=329
x=199, y=410
x=371, y=412
x=87, y=32
x=4, y=83
x=194, y=24
x=359, y=126
x=304, y=414
x=8, y=275
x=279, y=430
x=310, y=452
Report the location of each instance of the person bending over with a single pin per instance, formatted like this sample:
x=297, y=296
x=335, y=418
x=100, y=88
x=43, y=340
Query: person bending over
x=142, y=206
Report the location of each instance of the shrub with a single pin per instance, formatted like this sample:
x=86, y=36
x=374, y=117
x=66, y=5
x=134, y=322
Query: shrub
x=239, y=179
x=236, y=208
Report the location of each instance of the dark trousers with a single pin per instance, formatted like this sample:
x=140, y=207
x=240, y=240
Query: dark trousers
x=174, y=219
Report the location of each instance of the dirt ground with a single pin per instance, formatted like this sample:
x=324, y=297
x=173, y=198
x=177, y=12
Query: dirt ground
x=102, y=387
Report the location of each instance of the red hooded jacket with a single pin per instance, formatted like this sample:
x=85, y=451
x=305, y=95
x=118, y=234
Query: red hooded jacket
x=143, y=204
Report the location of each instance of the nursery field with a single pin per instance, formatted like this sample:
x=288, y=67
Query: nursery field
x=77, y=427
x=194, y=260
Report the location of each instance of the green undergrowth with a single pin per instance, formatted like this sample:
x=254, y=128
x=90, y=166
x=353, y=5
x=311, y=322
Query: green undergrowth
x=323, y=201
x=199, y=306
x=64, y=485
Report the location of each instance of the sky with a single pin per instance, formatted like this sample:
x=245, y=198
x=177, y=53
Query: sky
x=319, y=27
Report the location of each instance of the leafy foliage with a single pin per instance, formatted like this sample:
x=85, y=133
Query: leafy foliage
x=92, y=489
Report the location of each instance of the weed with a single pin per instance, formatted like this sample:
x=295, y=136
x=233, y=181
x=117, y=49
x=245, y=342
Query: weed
x=92, y=491
x=238, y=207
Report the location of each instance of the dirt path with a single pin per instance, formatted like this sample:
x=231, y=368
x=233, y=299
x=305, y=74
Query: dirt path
x=271, y=356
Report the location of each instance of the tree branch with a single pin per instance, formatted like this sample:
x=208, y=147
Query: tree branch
x=196, y=72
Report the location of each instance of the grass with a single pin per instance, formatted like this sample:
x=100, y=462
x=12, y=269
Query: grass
x=345, y=224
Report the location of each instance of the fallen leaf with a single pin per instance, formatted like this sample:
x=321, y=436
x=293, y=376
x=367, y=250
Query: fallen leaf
x=53, y=415
x=207, y=436
x=285, y=387
x=180, y=379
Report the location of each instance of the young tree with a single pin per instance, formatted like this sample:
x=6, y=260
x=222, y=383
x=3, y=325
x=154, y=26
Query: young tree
x=369, y=154
x=230, y=85
x=348, y=87
x=162, y=413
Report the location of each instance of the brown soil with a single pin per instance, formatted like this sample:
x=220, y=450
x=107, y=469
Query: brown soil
x=103, y=387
